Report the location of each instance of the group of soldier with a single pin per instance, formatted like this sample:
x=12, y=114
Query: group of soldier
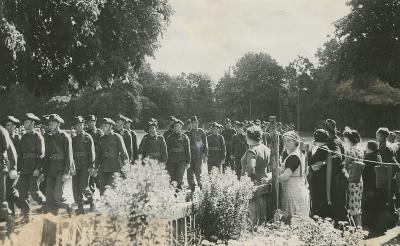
x=42, y=160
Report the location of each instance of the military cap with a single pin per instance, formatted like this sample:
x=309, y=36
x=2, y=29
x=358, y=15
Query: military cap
x=258, y=121
x=45, y=118
x=78, y=119
x=56, y=118
x=384, y=131
x=172, y=118
x=129, y=120
x=123, y=118
x=214, y=124
x=152, y=123
x=227, y=120
x=194, y=118
x=91, y=117
x=32, y=117
x=12, y=119
x=188, y=121
x=107, y=121
x=178, y=121
x=154, y=120
x=236, y=122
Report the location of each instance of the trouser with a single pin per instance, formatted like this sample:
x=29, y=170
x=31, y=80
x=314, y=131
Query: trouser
x=194, y=170
x=176, y=171
x=228, y=160
x=27, y=183
x=4, y=210
x=238, y=166
x=13, y=197
x=55, y=192
x=42, y=183
x=80, y=186
x=105, y=179
x=212, y=164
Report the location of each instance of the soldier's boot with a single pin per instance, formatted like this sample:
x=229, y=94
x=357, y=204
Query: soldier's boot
x=5, y=213
x=80, y=210
x=70, y=211
x=92, y=206
x=25, y=214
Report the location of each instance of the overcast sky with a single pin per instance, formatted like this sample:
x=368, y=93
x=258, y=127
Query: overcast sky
x=208, y=36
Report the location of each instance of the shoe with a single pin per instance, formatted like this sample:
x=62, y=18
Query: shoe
x=25, y=219
x=79, y=211
x=42, y=209
x=70, y=212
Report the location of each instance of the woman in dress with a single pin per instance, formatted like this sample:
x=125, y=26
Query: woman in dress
x=353, y=155
x=295, y=198
x=317, y=174
x=256, y=159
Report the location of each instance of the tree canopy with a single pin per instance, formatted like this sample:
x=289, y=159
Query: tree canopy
x=46, y=45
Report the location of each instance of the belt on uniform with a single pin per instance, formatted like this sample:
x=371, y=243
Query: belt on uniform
x=154, y=154
x=29, y=155
x=56, y=157
x=177, y=150
x=80, y=154
x=214, y=148
x=109, y=155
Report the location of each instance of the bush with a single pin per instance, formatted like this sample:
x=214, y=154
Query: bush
x=135, y=210
x=222, y=206
x=302, y=231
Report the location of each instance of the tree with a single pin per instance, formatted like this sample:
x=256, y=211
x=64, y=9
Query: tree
x=369, y=39
x=49, y=44
x=252, y=91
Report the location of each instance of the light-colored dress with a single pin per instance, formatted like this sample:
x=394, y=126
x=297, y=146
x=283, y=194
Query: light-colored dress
x=295, y=197
x=354, y=195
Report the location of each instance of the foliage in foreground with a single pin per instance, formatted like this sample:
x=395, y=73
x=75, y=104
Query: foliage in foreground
x=222, y=205
x=302, y=231
x=136, y=208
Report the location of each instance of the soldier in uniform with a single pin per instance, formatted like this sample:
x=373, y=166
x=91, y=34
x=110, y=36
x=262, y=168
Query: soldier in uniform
x=44, y=129
x=84, y=157
x=188, y=126
x=11, y=124
x=216, y=148
x=153, y=145
x=31, y=153
x=8, y=167
x=178, y=154
x=112, y=154
x=172, y=120
x=239, y=147
x=126, y=135
x=228, y=133
x=198, y=151
x=127, y=127
x=96, y=134
x=59, y=166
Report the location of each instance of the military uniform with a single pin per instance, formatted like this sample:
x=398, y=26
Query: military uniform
x=178, y=156
x=198, y=148
x=112, y=155
x=134, y=141
x=58, y=162
x=216, y=151
x=228, y=133
x=96, y=135
x=168, y=133
x=127, y=138
x=84, y=157
x=154, y=147
x=8, y=162
x=239, y=147
x=32, y=151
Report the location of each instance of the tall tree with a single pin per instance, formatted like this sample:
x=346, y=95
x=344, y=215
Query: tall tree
x=48, y=44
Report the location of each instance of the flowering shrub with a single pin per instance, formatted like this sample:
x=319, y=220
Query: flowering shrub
x=222, y=205
x=137, y=207
x=302, y=231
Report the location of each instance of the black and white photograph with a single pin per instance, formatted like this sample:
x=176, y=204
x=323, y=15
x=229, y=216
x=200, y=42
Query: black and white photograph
x=199, y=122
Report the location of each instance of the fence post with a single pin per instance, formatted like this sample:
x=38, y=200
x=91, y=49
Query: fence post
x=275, y=161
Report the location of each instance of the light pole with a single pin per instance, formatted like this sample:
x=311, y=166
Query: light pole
x=298, y=106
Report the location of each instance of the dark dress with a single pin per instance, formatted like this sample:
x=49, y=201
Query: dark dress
x=317, y=182
x=373, y=202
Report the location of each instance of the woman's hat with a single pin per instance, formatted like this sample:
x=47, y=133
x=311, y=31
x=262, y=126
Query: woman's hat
x=384, y=131
x=12, y=119
x=292, y=135
x=330, y=125
x=32, y=117
x=321, y=136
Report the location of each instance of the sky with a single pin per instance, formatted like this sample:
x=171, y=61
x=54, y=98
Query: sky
x=208, y=36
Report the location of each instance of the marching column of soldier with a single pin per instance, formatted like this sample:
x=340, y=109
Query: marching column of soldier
x=46, y=161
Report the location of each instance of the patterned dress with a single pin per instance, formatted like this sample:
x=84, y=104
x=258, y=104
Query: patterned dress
x=354, y=195
x=295, y=198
